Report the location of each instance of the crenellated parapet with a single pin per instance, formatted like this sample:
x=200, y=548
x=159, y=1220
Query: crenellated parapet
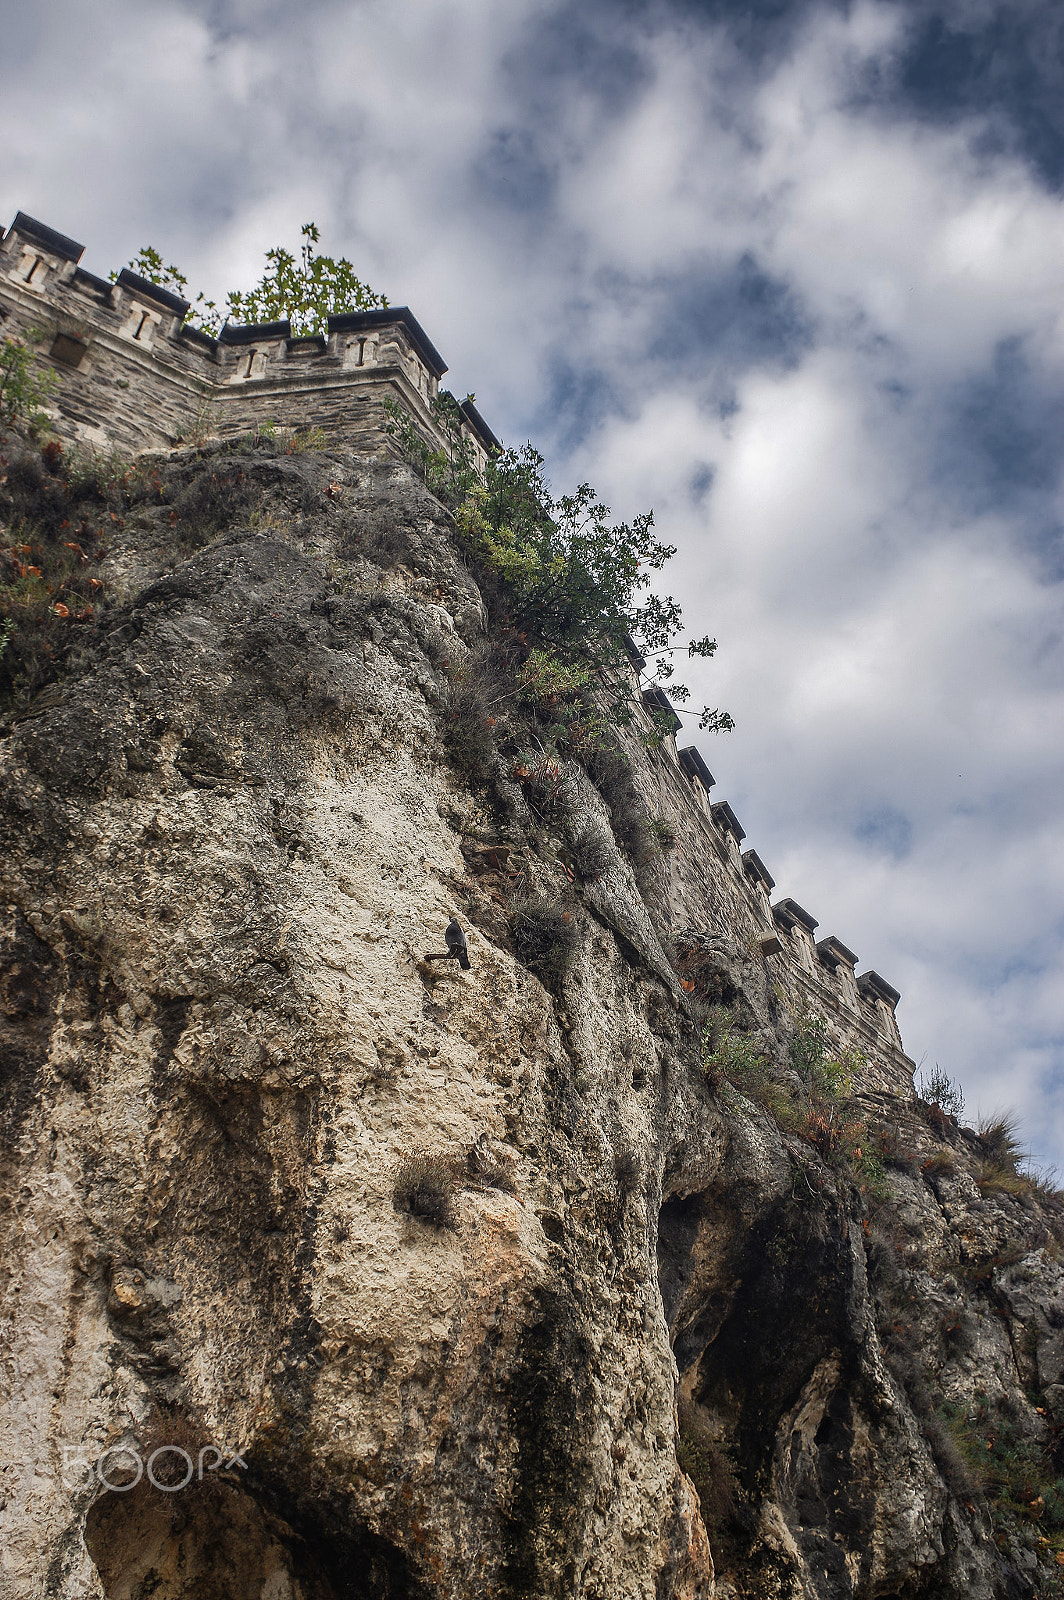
x=807, y=972
x=716, y=884
x=132, y=374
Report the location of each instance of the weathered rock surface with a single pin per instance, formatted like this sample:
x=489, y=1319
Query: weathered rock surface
x=230, y=837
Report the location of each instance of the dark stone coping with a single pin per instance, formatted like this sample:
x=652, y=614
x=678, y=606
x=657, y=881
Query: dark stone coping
x=254, y=332
x=725, y=818
x=307, y=344
x=833, y=953
x=754, y=867
x=788, y=912
x=656, y=699
x=199, y=335
x=873, y=987
x=152, y=291
x=692, y=764
x=89, y=280
x=57, y=243
x=633, y=653
x=355, y=321
x=473, y=417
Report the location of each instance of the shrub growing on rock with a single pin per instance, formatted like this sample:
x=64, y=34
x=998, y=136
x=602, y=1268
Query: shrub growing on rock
x=218, y=496
x=999, y=1144
x=470, y=706
x=24, y=386
x=550, y=787
x=546, y=938
x=941, y=1163
x=664, y=834
x=591, y=852
x=467, y=725
x=548, y=682
x=729, y=1053
x=885, y=1139
x=571, y=581
x=955, y=1455
x=50, y=595
x=938, y=1089
x=999, y=1140
x=611, y=773
x=425, y=1186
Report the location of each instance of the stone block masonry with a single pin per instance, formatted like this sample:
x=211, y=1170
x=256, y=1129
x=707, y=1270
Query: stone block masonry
x=131, y=376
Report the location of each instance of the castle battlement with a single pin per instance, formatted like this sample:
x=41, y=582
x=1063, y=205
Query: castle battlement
x=130, y=375
x=711, y=870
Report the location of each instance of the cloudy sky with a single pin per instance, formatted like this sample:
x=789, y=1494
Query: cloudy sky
x=790, y=273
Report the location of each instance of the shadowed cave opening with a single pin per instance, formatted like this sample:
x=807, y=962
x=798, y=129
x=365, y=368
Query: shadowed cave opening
x=215, y=1541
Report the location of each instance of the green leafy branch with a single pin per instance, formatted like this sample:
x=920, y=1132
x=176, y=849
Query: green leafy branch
x=305, y=290
x=148, y=264
x=450, y=471
x=571, y=579
x=24, y=386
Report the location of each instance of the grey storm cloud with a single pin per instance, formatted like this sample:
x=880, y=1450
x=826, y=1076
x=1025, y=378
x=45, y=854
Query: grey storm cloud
x=792, y=274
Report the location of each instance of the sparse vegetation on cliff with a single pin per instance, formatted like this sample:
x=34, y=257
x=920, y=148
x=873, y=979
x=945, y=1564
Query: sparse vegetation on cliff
x=938, y=1089
x=821, y=1112
x=591, y=852
x=61, y=512
x=471, y=708
x=572, y=586
x=425, y=1186
x=451, y=472
x=50, y=554
x=546, y=937
x=24, y=386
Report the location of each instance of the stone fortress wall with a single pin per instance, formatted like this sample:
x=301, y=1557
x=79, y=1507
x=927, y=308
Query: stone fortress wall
x=131, y=376
x=717, y=886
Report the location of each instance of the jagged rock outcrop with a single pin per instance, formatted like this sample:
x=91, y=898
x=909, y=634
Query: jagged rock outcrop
x=231, y=833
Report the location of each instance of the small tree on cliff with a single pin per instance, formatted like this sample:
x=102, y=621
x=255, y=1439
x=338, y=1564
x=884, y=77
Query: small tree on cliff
x=568, y=581
x=306, y=289
x=576, y=581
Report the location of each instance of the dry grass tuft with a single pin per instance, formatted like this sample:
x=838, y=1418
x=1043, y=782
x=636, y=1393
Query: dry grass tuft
x=591, y=852
x=999, y=1140
x=940, y=1163
x=425, y=1186
x=546, y=938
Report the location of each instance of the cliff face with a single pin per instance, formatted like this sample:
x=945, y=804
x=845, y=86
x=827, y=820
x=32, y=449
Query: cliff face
x=441, y=1278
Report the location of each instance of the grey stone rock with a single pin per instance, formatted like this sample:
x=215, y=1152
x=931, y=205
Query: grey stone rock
x=227, y=836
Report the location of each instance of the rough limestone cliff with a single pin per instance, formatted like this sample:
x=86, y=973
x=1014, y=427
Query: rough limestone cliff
x=440, y=1278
